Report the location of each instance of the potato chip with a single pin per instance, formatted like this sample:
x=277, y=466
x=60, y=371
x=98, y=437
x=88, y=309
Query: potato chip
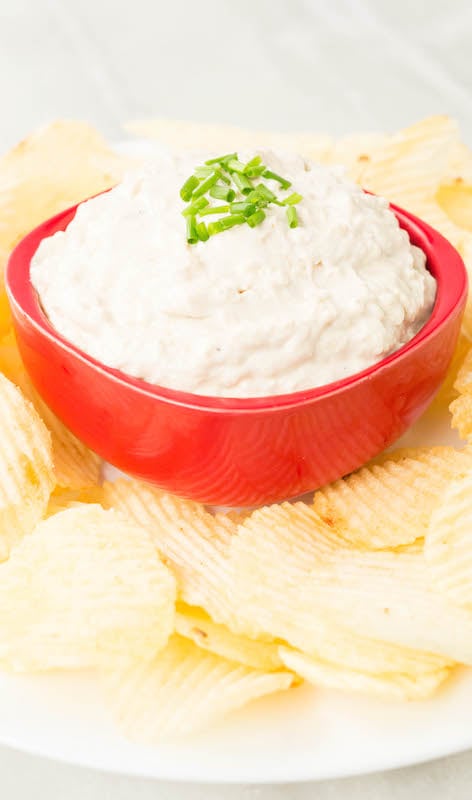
x=461, y=411
x=26, y=470
x=463, y=381
x=32, y=191
x=448, y=542
x=390, y=504
x=391, y=685
x=179, y=135
x=196, y=625
x=76, y=467
x=409, y=167
x=449, y=387
x=324, y=588
x=455, y=199
x=193, y=542
x=183, y=690
x=85, y=588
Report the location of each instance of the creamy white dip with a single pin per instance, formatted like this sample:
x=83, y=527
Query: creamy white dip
x=252, y=311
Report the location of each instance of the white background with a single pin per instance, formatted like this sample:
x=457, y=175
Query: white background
x=329, y=65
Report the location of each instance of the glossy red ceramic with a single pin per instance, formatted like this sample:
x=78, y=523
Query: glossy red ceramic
x=239, y=451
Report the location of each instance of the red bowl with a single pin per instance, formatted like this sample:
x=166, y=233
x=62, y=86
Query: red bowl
x=239, y=452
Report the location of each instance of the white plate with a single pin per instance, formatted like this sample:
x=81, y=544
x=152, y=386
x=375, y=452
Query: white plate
x=299, y=735
x=296, y=736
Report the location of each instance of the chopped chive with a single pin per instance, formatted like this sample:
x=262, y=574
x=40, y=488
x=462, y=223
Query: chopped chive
x=242, y=183
x=285, y=184
x=231, y=220
x=292, y=217
x=256, y=218
x=214, y=210
x=192, y=235
x=243, y=208
x=199, y=204
x=203, y=172
x=254, y=172
x=202, y=232
x=234, y=165
x=215, y=227
x=264, y=193
x=222, y=193
x=292, y=199
x=225, y=178
x=254, y=162
x=221, y=159
x=186, y=191
x=206, y=185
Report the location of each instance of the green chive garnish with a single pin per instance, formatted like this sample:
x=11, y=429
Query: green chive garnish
x=292, y=199
x=234, y=165
x=242, y=183
x=254, y=162
x=256, y=218
x=199, y=204
x=292, y=217
x=202, y=232
x=192, y=235
x=254, y=172
x=215, y=227
x=214, y=210
x=203, y=172
x=226, y=178
x=264, y=192
x=274, y=177
x=231, y=220
x=186, y=191
x=222, y=193
x=243, y=208
x=221, y=159
x=206, y=185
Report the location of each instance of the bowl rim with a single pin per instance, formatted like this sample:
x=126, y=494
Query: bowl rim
x=443, y=260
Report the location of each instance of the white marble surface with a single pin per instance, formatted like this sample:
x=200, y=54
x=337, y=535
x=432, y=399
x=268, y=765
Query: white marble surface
x=330, y=65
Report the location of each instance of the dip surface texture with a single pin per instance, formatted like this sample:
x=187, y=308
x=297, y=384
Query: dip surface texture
x=252, y=311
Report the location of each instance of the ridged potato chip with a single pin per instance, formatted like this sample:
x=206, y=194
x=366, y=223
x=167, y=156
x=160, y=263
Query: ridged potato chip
x=448, y=543
x=85, y=588
x=26, y=468
x=194, y=624
x=390, y=504
x=391, y=685
x=76, y=467
x=32, y=190
x=461, y=413
x=183, y=690
x=193, y=542
x=324, y=588
x=463, y=381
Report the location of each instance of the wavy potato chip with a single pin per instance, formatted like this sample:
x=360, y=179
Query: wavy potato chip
x=193, y=542
x=461, y=413
x=448, y=543
x=76, y=467
x=31, y=190
x=26, y=469
x=196, y=625
x=390, y=504
x=85, y=588
x=394, y=685
x=325, y=589
x=183, y=690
